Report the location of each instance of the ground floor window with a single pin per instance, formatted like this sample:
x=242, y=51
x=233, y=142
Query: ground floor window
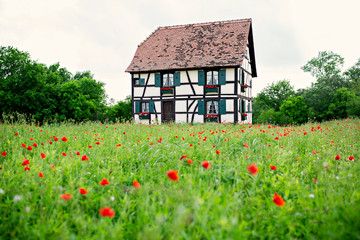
x=212, y=107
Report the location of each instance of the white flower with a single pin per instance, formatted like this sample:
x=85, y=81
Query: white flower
x=311, y=196
x=302, y=173
x=337, y=178
x=112, y=198
x=17, y=198
x=27, y=209
x=1, y=191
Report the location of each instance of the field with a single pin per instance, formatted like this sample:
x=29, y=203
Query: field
x=79, y=181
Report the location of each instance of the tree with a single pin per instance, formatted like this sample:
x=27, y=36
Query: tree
x=353, y=77
x=121, y=111
x=295, y=109
x=341, y=103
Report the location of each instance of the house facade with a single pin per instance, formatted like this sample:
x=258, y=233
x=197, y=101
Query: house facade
x=195, y=73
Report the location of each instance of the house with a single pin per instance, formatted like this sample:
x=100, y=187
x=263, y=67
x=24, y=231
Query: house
x=194, y=73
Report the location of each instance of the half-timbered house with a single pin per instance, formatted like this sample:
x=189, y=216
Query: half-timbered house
x=195, y=73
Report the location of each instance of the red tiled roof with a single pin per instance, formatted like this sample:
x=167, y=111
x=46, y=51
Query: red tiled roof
x=200, y=45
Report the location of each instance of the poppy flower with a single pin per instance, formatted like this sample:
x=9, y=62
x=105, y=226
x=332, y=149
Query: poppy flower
x=278, y=200
x=314, y=152
x=206, y=164
x=41, y=174
x=351, y=158
x=104, y=182
x=118, y=145
x=97, y=143
x=64, y=139
x=29, y=148
x=25, y=162
x=4, y=154
x=66, y=196
x=23, y=145
x=253, y=169
x=43, y=155
x=83, y=191
x=189, y=161
x=78, y=153
x=136, y=184
x=246, y=145
x=273, y=167
x=217, y=152
x=16, y=134
x=26, y=168
x=35, y=145
x=64, y=154
x=183, y=157
x=277, y=138
x=107, y=212
x=172, y=175
x=315, y=180
x=85, y=158
x=337, y=157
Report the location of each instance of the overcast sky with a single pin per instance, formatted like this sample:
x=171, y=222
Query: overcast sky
x=102, y=36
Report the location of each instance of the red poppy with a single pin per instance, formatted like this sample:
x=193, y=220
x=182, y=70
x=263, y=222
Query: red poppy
x=25, y=162
x=104, y=182
x=85, y=158
x=337, y=157
x=64, y=154
x=35, y=145
x=183, y=157
x=23, y=145
x=64, y=139
x=351, y=158
x=4, y=154
x=314, y=152
x=43, y=155
x=29, y=148
x=16, y=134
x=173, y=175
x=206, y=164
x=246, y=145
x=78, y=153
x=189, y=161
x=118, y=145
x=136, y=184
x=107, y=212
x=253, y=169
x=52, y=166
x=278, y=200
x=97, y=143
x=26, y=168
x=273, y=167
x=66, y=196
x=217, y=152
x=83, y=191
x=315, y=180
x=41, y=174
x=277, y=138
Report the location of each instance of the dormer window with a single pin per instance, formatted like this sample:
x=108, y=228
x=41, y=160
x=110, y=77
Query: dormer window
x=168, y=80
x=138, y=81
x=212, y=78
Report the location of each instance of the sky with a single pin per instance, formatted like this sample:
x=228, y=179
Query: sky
x=102, y=36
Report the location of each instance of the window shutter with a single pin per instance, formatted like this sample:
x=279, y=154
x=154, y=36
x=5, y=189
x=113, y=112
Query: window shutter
x=240, y=106
x=201, y=78
x=201, y=107
x=142, y=81
x=248, y=107
x=243, y=106
x=222, y=77
x=151, y=107
x=157, y=80
x=177, y=79
x=137, y=107
x=222, y=106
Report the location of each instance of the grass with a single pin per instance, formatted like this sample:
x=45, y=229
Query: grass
x=224, y=201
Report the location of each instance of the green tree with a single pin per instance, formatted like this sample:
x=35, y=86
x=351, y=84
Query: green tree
x=342, y=103
x=121, y=111
x=295, y=109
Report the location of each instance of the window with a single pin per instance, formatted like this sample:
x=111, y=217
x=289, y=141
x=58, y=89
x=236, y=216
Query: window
x=168, y=79
x=145, y=107
x=212, y=78
x=212, y=107
x=137, y=80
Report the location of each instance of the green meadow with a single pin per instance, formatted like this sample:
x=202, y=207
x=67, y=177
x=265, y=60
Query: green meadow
x=317, y=176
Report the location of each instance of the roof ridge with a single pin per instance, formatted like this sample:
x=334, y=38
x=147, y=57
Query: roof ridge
x=205, y=23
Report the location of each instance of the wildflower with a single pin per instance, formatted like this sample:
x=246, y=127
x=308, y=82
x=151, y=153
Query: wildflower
x=112, y=198
x=83, y=191
x=1, y=191
x=84, y=157
x=246, y=145
x=64, y=154
x=25, y=162
x=97, y=143
x=314, y=152
x=78, y=153
x=172, y=175
x=41, y=174
x=29, y=148
x=315, y=180
x=253, y=169
x=136, y=184
x=337, y=157
x=43, y=155
x=4, y=154
x=26, y=168
x=16, y=134
x=278, y=200
x=217, y=152
x=351, y=158
x=90, y=146
x=189, y=161
x=66, y=196
x=35, y=144
x=118, y=145
x=17, y=198
x=55, y=139
x=273, y=167
x=183, y=157
x=107, y=212
x=206, y=164
x=277, y=138
x=311, y=196
x=104, y=182
x=64, y=139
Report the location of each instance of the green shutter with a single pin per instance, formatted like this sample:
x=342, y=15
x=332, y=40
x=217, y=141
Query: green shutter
x=248, y=107
x=201, y=78
x=201, y=107
x=137, y=107
x=177, y=79
x=240, y=106
x=157, y=80
x=222, y=77
x=222, y=106
x=142, y=81
x=243, y=106
x=151, y=106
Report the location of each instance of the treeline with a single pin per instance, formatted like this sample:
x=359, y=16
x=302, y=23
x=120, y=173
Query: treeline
x=335, y=94
x=47, y=94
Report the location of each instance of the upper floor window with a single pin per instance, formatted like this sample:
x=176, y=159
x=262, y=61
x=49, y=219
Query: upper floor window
x=212, y=107
x=137, y=80
x=168, y=79
x=212, y=78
